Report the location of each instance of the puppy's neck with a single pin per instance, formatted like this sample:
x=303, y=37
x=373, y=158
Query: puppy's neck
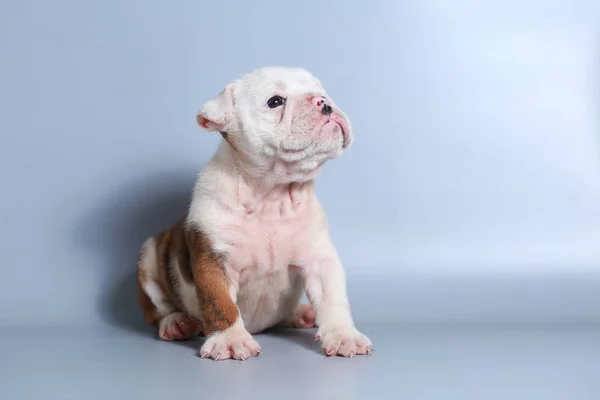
x=253, y=186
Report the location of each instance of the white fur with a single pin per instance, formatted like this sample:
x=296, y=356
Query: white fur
x=186, y=292
x=258, y=206
x=233, y=342
x=148, y=263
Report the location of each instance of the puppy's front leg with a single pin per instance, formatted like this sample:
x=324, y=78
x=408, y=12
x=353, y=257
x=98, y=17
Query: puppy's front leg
x=226, y=336
x=325, y=285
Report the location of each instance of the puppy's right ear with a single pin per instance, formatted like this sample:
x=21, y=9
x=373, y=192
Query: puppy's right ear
x=217, y=114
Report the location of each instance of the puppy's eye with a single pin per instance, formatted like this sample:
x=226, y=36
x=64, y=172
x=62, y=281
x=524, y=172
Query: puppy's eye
x=275, y=101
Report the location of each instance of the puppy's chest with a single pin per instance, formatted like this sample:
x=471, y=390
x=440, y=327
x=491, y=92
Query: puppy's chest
x=262, y=253
x=263, y=246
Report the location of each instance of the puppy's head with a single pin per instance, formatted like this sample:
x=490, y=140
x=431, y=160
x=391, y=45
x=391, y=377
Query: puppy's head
x=279, y=114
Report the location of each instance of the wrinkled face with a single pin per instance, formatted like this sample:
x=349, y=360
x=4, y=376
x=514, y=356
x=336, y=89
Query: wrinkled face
x=279, y=114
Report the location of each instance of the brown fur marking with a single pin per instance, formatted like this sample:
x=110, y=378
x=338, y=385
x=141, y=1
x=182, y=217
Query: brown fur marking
x=198, y=264
x=182, y=252
x=165, y=250
x=219, y=311
x=163, y=277
x=151, y=314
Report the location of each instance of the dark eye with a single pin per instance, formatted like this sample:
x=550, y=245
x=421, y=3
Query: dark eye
x=275, y=101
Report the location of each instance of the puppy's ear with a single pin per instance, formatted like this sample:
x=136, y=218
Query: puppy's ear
x=216, y=114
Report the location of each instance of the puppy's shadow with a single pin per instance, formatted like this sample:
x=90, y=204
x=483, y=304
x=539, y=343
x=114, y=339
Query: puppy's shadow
x=114, y=231
x=302, y=337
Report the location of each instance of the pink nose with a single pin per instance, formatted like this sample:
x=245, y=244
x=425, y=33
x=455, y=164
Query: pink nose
x=321, y=102
x=318, y=101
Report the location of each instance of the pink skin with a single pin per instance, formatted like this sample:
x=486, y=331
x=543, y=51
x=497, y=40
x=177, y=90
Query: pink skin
x=181, y=329
x=304, y=317
x=318, y=101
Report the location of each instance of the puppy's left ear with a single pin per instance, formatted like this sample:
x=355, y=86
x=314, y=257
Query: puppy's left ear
x=217, y=114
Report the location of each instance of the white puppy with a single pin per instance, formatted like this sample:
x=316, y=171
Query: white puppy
x=255, y=235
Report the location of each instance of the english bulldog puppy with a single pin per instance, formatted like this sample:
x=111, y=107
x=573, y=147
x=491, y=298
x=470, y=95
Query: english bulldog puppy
x=255, y=236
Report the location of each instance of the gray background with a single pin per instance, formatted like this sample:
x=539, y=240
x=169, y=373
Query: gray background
x=467, y=212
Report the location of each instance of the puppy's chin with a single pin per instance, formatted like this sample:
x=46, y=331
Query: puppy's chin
x=328, y=142
x=333, y=131
x=316, y=151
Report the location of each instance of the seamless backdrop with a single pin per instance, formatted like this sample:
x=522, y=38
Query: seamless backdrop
x=467, y=212
x=472, y=190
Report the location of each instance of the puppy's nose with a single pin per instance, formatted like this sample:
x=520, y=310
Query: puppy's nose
x=321, y=102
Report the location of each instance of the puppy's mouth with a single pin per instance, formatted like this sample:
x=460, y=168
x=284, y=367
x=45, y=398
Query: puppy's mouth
x=287, y=150
x=340, y=125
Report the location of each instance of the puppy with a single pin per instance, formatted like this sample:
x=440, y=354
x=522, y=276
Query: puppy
x=255, y=236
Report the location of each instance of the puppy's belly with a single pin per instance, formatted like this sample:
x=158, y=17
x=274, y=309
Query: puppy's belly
x=266, y=299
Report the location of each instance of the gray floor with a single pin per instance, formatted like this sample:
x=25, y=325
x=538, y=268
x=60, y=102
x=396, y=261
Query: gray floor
x=427, y=362
x=507, y=339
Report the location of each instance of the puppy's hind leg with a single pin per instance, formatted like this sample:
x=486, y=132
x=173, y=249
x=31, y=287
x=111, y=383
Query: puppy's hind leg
x=158, y=309
x=299, y=315
x=302, y=317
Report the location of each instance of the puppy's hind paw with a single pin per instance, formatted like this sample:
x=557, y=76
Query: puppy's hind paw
x=178, y=326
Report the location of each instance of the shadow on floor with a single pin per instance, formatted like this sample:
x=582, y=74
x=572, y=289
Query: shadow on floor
x=117, y=227
x=302, y=337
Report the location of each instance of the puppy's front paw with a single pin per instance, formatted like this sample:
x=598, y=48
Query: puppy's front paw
x=343, y=341
x=234, y=342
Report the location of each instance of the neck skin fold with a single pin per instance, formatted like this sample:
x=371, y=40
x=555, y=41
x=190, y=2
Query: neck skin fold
x=273, y=181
